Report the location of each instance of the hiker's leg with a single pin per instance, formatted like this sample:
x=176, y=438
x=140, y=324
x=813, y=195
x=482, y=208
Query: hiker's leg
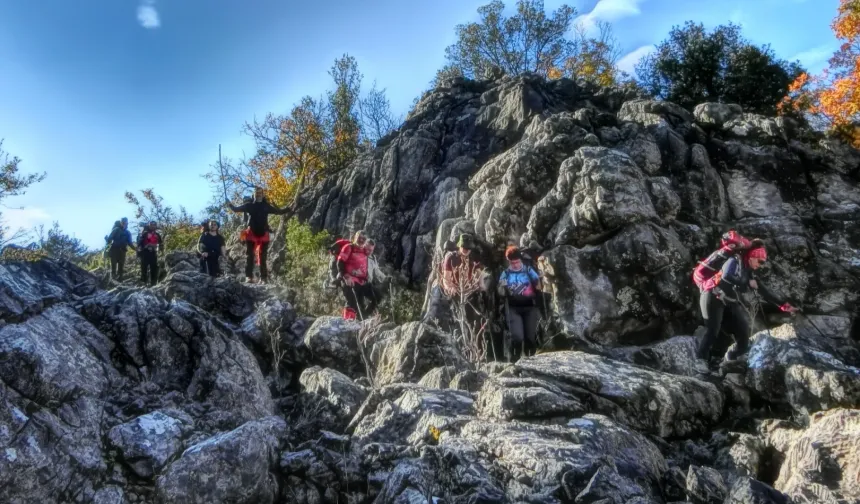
x=144, y=266
x=712, y=311
x=114, y=262
x=121, y=264
x=740, y=330
x=515, y=326
x=203, y=264
x=212, y=265
x=531, y=318
x=264, y=268
x=349, y=295
x=249, y=259
x=370, y=298
x=154, y=268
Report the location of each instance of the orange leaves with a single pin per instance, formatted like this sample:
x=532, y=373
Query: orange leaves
x=833, y=98
x=553, y=73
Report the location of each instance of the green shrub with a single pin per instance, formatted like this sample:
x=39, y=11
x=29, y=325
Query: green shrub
x=306, y=270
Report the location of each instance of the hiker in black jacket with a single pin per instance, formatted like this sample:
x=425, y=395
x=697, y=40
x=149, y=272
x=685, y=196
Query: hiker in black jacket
x=119, y=241
x=211, y=246
x=148, y=245
x=256, y=236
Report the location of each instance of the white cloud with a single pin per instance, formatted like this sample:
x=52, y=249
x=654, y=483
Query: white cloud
x=627, y=62
x=26, y=218
x=147, y=15
x=815, y=59
x=609, y=10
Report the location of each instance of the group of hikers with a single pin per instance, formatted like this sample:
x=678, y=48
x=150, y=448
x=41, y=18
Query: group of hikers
x=722, y=278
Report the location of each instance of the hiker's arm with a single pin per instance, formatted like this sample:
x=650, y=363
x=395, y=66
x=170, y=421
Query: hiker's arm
x=279, y=211
x=536, y=279
x=131, y=244
x=200, y=246
x=237, y=209
x=503, y=283
x=769, y=297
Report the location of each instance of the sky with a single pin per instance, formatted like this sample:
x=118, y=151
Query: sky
x=107, y=96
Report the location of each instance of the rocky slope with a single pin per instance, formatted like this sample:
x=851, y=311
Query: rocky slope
x=171, y=395
x=215, y=391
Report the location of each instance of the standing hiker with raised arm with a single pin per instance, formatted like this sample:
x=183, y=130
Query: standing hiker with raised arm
x=119, y=241
x=148, y=245
x=256, y=236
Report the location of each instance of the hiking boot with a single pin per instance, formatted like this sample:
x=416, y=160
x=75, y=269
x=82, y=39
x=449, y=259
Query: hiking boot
x=249, y=280
x=732, y=366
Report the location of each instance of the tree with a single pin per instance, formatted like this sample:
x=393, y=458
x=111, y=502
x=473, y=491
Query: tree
x=592, y=59
x=178, y=229
x=319, y=137
x=55, y=243
x=343, y=109
x=693, y=66
x=529, y=41
x=376, y=117
x=832, y=100
x=12, y=183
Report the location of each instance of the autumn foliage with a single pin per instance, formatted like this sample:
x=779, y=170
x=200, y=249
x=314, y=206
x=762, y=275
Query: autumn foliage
x=832, y=99
x=317, y=138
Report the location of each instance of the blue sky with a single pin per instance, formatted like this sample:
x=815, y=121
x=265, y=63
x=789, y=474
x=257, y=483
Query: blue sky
x=115, y=95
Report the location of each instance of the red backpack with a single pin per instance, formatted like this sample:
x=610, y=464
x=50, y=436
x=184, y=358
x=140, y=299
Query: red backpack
x=706, y=274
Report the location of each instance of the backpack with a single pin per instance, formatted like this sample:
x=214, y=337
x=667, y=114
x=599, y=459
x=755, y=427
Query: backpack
x=333, y=251
x=706, y=274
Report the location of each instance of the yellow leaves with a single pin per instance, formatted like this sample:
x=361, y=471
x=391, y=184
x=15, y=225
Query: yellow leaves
x=834, y=101
x=435, y=433
x=554, y=73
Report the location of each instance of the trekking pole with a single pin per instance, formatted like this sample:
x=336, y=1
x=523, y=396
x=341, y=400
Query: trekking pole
x=223, y=177
x=357, y=304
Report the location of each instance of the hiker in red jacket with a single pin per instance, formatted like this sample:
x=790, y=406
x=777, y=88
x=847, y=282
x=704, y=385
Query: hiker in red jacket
x=352, y=272
x=148, y=245
x=256, y=236
x=721, y=300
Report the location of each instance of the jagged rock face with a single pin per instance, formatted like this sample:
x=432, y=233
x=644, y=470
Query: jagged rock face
x=623, y=195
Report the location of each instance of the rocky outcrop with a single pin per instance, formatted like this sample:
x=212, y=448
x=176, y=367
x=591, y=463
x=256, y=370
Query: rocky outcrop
x=212, y=390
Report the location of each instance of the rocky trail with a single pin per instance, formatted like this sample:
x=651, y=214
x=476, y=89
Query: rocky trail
x=208, y=390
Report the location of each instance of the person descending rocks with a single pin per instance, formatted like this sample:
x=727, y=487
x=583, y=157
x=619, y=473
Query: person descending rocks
x=520, y=286
x=256, y=235
x=211, y=247
x=148, y=245
x=119, y=241
x=721, y=300
x=352, y=274
x=464, y=282
x=375, y=277
x=204, y=228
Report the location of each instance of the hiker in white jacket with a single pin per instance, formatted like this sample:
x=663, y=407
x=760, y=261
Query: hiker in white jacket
x=374, y=273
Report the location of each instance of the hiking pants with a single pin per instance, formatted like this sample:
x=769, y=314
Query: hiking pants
x=523, y=324
x=117, y=262
x=210, y=263
x=149, y=261
x=251, y=259
x=356, y=297
x=715, y=313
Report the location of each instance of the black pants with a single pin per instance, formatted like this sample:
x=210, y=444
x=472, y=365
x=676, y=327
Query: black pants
x=209, y=264
x=251, y=259
x=361, y=298
x=149, y=261
x=117, y=262
x=716, y=313
x=523, y=324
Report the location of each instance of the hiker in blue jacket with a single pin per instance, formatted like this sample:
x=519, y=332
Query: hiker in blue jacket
x=520, y=285
x=119, y=241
